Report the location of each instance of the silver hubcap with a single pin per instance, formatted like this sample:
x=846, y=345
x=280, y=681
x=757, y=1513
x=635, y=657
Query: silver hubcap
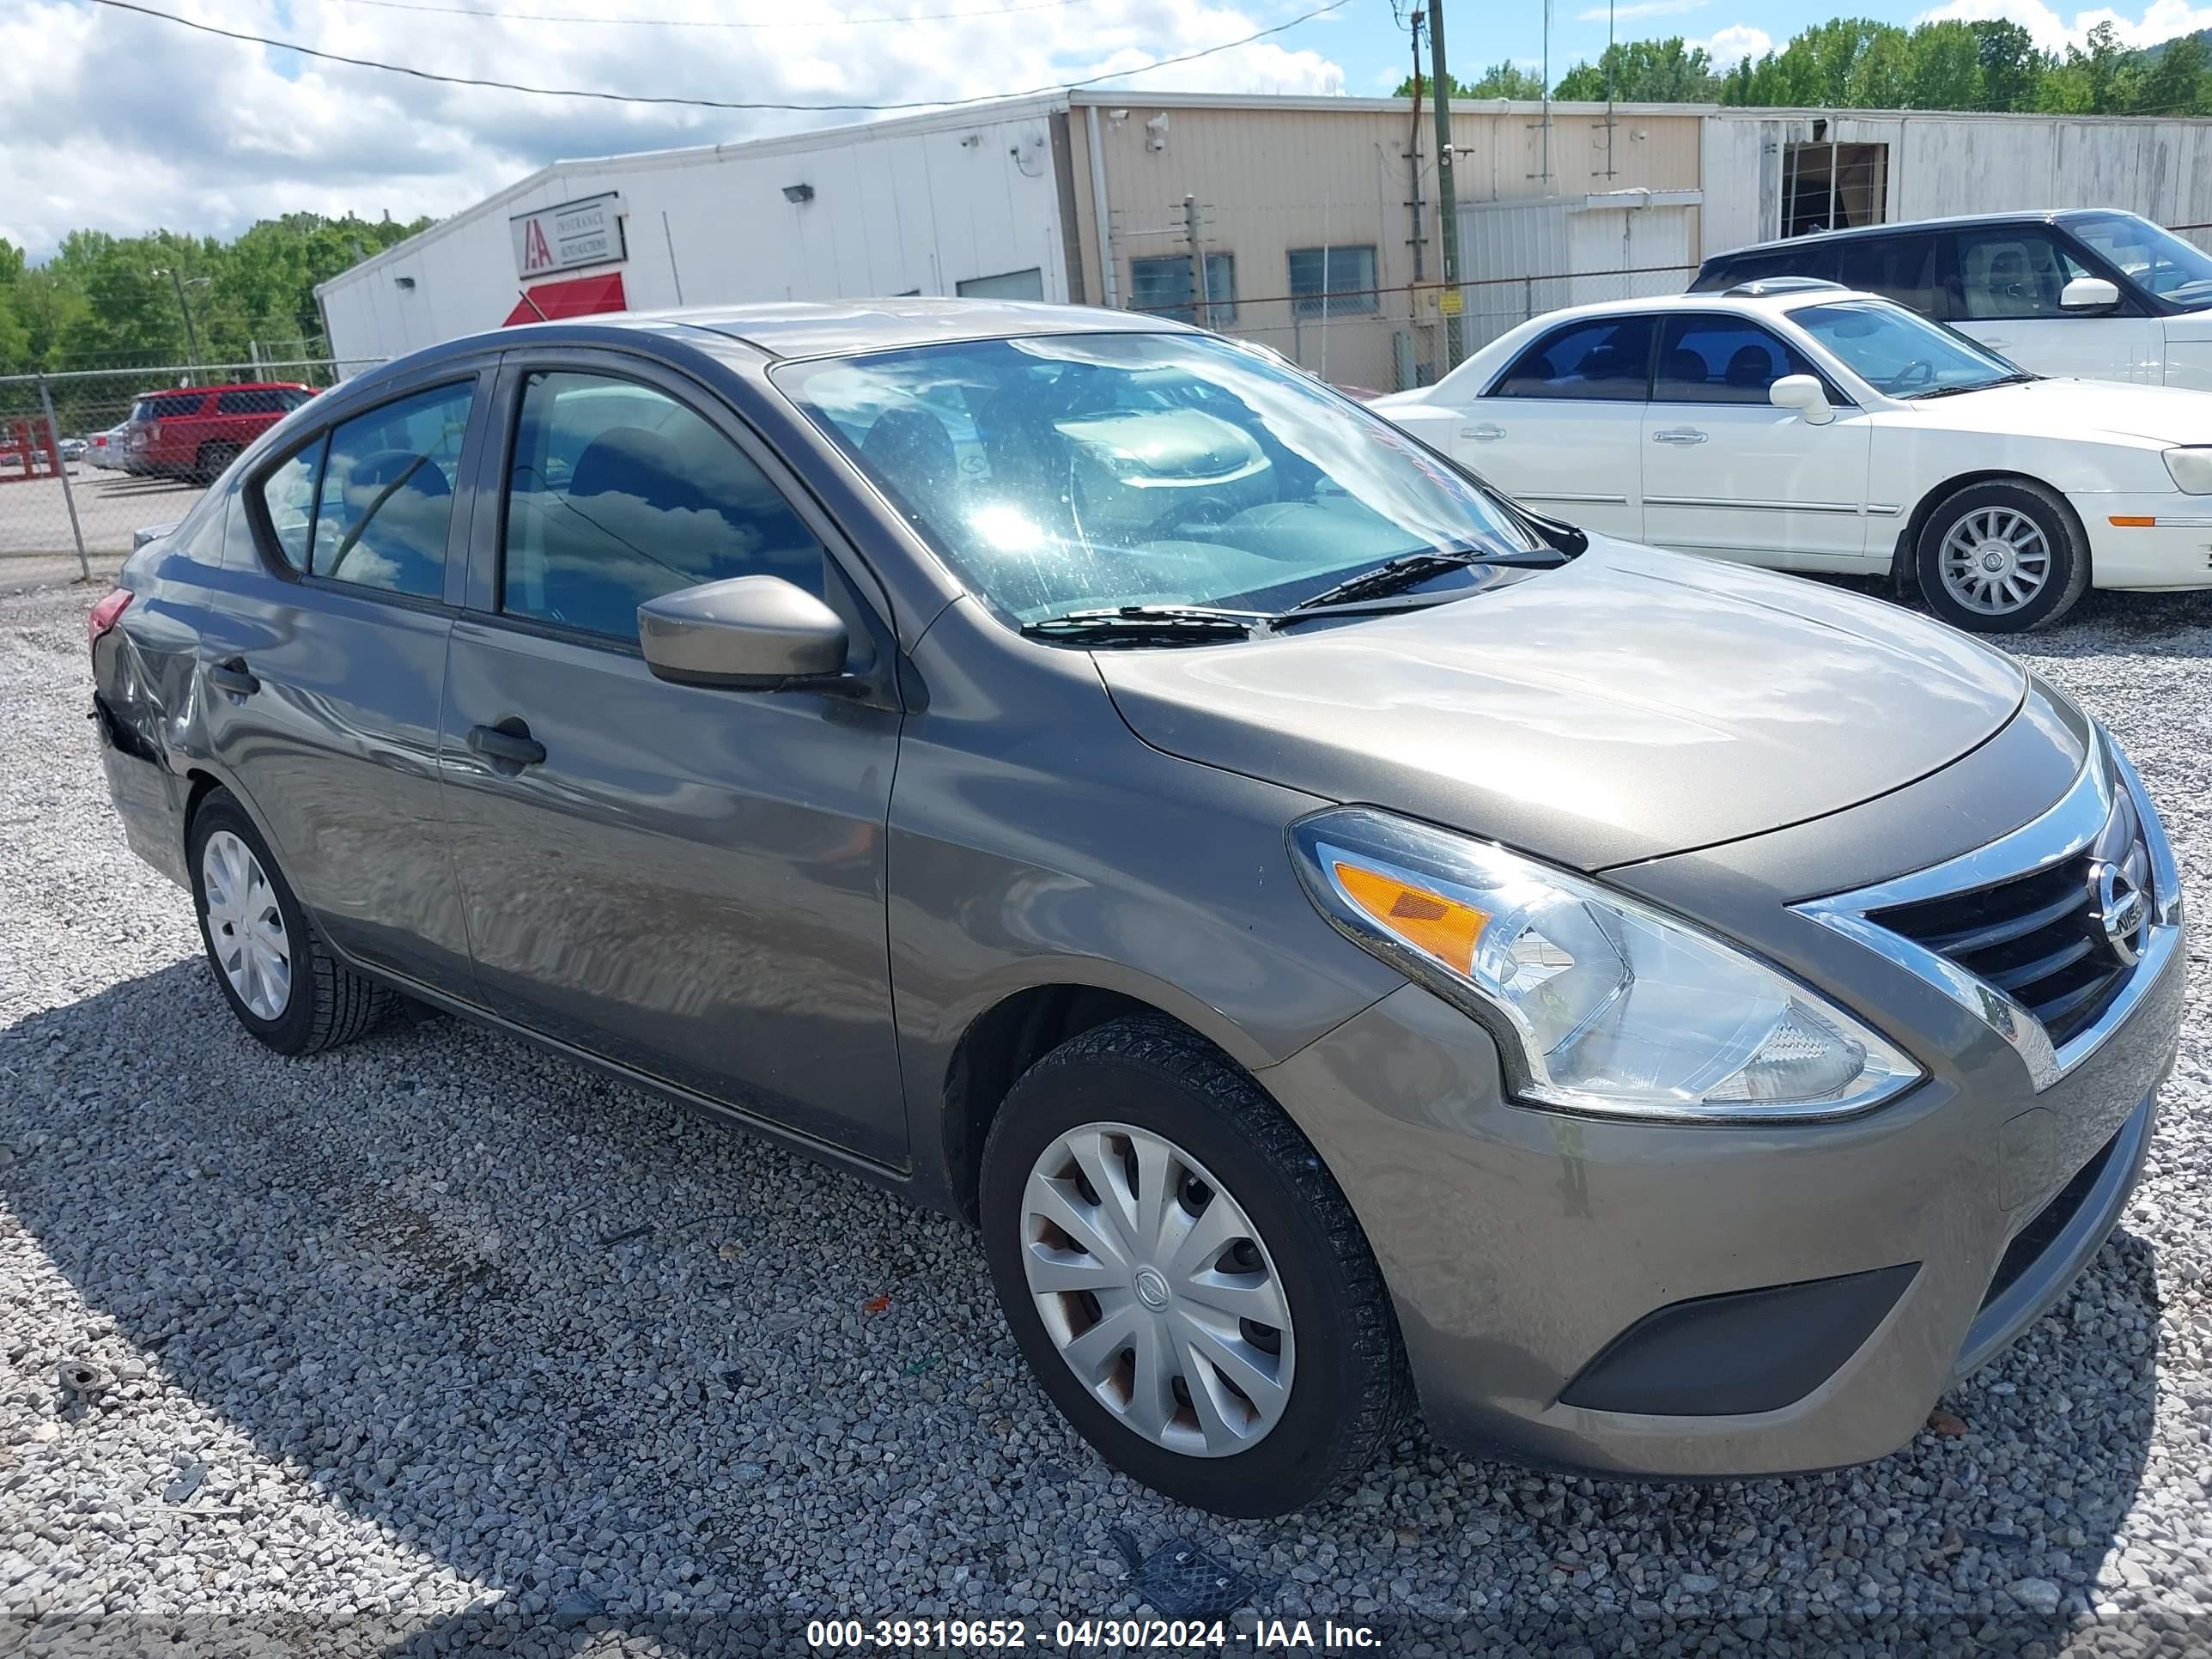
x=1995, y=560
x=1157, y=1290
x=245, y=926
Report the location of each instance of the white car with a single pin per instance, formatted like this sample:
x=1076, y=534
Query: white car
x=1805, y=426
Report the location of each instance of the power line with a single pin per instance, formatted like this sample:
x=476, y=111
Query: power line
x=492, y=14
x=708, y=103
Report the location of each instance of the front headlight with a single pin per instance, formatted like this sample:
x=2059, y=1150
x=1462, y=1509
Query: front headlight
x=1600, y=1003
x=2191, y=469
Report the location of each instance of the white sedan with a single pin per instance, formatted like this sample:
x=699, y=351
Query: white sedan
x=1801, y=425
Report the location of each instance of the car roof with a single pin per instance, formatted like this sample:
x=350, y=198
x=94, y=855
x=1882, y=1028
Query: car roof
x=1856, y=233
x=787, y=329
x=1793, y=299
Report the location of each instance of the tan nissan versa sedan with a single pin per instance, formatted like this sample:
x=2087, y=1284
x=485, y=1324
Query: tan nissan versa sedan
x=1348, y=941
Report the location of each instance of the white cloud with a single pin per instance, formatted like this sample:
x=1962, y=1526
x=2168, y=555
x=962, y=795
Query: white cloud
x=1629, y=9
x=133, y=124
x=1732, y=44
x=2162, y=20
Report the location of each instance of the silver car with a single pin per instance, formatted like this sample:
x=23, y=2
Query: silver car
x=1349, y=942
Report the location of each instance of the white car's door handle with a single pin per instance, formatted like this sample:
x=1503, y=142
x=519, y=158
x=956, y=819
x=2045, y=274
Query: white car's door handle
x=1485, y=434
x=1678, y=435
x=1994, y=343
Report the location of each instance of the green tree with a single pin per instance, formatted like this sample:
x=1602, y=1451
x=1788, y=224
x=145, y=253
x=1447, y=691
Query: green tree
x=2092, y=83
x=1945, y=68
x=1506, y=80
x=1667, y=71
x=2173, y=81
x=2012, y=66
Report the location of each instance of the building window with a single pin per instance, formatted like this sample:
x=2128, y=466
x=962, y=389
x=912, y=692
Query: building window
x=1827, y=186
x=1333, y=282
x=1161, y=286
x=1007, y=285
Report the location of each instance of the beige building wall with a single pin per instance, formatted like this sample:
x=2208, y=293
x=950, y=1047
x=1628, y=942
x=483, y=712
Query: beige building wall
x=1275, y=175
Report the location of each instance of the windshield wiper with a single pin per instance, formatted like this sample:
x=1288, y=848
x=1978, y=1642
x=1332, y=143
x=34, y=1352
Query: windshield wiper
x=1393, y=576
x=1143, y=624
x=2018, y=378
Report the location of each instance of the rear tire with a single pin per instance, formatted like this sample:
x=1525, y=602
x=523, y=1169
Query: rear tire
x=1277, y=1316
x=2005, y=557
x=270, y=965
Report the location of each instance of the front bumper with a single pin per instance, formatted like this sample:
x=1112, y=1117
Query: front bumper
x=1651, y=1299
x=2162, y=541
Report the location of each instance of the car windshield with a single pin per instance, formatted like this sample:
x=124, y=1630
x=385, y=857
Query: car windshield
x=2151, y=257
x=1067, y=472
x=1900, y=352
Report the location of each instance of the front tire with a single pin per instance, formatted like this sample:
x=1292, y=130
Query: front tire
x=2002, y=557
x=1184, y=1278
x=271, y=966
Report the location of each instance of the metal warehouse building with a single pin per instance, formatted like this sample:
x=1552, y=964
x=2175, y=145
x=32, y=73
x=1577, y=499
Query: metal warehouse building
x=1309, y=223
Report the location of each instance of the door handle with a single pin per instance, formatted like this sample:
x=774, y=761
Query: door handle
x=1485, y=434
x=232, y=676
x=506, y=745
x=1678, y=435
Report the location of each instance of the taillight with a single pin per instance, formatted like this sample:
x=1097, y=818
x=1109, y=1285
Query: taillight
x=106, y=613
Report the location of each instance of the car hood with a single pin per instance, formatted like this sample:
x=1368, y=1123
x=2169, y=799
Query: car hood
x=1631, y=704
x=2080, y=409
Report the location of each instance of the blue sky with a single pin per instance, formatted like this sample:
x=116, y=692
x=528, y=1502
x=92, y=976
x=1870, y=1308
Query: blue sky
x=115, y=147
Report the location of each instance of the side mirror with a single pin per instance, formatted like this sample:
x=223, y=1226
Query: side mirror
x=748, y=633
x=2089, y=294
x=1802, y=393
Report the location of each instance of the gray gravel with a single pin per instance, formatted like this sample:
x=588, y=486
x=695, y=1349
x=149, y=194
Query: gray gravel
x=437, y=1345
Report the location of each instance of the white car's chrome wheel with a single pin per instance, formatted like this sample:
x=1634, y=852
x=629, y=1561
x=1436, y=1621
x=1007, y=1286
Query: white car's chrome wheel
x=245, y=926
x=1157, y=1291
x=1995, y=560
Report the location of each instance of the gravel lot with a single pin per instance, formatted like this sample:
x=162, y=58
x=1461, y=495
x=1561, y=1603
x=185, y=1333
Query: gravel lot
x=437, y=1345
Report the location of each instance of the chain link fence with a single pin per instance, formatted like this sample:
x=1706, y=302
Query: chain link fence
x=88, y=456
x=1392, y=339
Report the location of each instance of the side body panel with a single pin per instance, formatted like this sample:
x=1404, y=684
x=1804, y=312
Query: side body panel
x=1136, y=873
x=336, y=751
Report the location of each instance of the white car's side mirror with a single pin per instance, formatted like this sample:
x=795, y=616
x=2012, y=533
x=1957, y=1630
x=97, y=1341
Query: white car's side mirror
x=2088, y=294
x=1802, y=393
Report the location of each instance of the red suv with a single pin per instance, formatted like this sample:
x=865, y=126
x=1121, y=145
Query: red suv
x=195, y=433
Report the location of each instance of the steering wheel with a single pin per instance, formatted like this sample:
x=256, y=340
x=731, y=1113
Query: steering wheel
x=1918, y=373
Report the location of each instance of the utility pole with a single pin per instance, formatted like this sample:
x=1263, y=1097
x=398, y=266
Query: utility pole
x=1201, y=312
x=191, y=335
x=1413, y=171
x=1447, y=202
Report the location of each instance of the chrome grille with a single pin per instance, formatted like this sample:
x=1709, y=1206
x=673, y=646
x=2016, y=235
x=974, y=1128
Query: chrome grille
x=2042, y=937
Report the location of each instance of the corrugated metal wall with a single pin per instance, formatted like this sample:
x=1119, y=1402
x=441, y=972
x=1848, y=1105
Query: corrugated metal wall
x=1943, y=164
x=1300, y=174
x=897, y=207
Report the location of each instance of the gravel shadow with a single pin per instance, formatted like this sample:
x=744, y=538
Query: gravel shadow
x=612, y=1372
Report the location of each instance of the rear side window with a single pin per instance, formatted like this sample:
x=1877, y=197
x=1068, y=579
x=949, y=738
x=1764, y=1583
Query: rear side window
x=1606, y=358
x=1899, y=268
x=1723, y=359
x=617, y=494
x=175, y=409
x=372, y=502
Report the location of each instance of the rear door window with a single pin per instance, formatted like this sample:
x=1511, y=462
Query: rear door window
x=617, y=494
x=254, y=400
x=1606, y=358
x=177, y=408
x=372, y=501
x=1899, y=268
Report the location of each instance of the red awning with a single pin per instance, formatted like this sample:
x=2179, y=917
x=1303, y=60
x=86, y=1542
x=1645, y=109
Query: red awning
x=580, y=297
